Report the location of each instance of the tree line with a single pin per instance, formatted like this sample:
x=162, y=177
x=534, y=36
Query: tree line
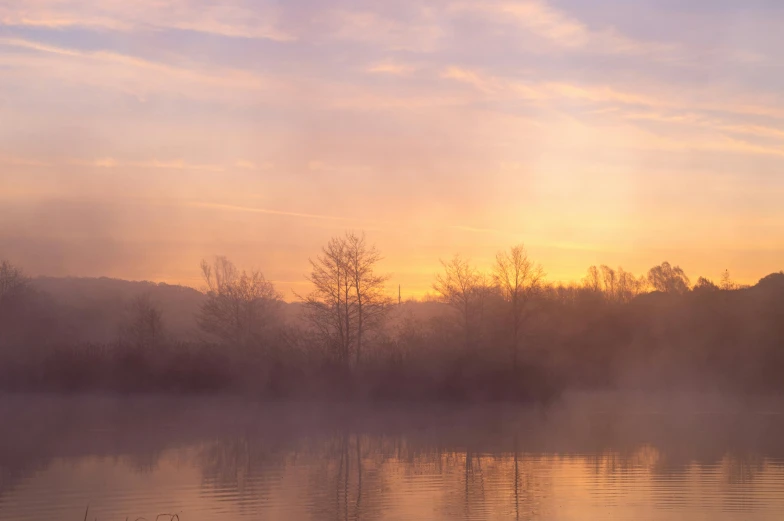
x=503, y=333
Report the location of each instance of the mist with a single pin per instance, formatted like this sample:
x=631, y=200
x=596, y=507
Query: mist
x=366, y=260
x=501, y=334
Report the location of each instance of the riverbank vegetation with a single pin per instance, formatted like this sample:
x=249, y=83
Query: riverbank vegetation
x=504, y=333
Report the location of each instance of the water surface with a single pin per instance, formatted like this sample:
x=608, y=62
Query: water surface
x=597, y=457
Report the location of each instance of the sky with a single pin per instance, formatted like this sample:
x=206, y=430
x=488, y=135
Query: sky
x=137, y=138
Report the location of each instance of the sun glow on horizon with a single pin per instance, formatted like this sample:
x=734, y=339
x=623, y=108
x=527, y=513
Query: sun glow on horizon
x=138, y=141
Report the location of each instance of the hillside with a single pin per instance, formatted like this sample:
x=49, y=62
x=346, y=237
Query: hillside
x=96, y=307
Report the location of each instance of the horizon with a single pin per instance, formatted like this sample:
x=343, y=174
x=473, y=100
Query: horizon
x=143, y=138
x=430, y=295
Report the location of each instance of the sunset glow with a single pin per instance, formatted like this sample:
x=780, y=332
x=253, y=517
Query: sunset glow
x=139, y=137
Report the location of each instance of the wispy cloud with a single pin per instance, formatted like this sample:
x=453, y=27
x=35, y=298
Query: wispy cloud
x=235, y=78
x=423, y=34
x=235, y=19
x=179, y=164
x=500, y=113
x=250, y=165
x=483, y=83
x=130, y=73
x=391, y=67
x=539, y=18
x=23, y=161
x=321, y=166
x=473, y=229
x=535, y=16
x=669, y=107
x=249, y=209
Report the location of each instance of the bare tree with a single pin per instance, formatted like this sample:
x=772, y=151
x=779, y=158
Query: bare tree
x=331, y=306
x=615, y=285
x=371, y=302
x=15, y=291
x=144, y=327
x=610, y=281
x=628, y=286
x=519, y=279
x=727, y=283
x=241, y=307
x=592, y=280
x=348, y=299
x=13, y=281
x=668, y=279
x=461, y=286
x=704, y=284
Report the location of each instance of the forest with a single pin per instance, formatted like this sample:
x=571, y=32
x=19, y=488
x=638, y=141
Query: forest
x=504, y=334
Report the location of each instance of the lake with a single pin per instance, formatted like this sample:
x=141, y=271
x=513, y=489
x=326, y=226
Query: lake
x=589, y=457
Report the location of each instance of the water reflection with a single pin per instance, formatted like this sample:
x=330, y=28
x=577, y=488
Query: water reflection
x=220, y=459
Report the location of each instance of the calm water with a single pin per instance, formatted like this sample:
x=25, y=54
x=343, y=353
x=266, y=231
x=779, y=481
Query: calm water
x=598, y=457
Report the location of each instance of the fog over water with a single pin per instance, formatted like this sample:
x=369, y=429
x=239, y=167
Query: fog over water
x=589, y=456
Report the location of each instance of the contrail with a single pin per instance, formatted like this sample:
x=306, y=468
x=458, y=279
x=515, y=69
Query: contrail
x=218, y=206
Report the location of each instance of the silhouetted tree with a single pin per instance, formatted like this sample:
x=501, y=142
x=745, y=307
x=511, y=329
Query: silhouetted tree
x=668, y=279
x=592, y=280
x=615, y=285
x=462, y=287
x=144, y=327
x=371, y=302
x=628, y=286
x=519, y=280
x=610, y=281
x=241, y=307
x=726, y=283
x=13, y=281
x=704, y=284
x=15, y=290
x=348, y=299
x=331, y=306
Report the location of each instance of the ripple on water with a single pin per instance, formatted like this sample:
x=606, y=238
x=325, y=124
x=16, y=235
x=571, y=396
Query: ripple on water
x=625, y=466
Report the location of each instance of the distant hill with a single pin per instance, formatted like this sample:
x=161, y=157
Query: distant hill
x=93, y=309
x=96, y=307
x=772, y=282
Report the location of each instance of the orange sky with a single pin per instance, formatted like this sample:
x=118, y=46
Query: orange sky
x=137, y=138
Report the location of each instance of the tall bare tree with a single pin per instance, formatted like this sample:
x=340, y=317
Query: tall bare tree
x=610, y=281
x=241, y=307
x=461, y=286
x=593, y=280
x=519, y=279
x=144, y=327
x=348, y=298
x=371, y=301
x=330, y=307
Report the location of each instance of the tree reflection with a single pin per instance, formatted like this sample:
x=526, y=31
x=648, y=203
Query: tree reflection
x=344, y=479
x=462, y=466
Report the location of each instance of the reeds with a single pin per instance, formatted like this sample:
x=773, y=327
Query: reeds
x=165, y=517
